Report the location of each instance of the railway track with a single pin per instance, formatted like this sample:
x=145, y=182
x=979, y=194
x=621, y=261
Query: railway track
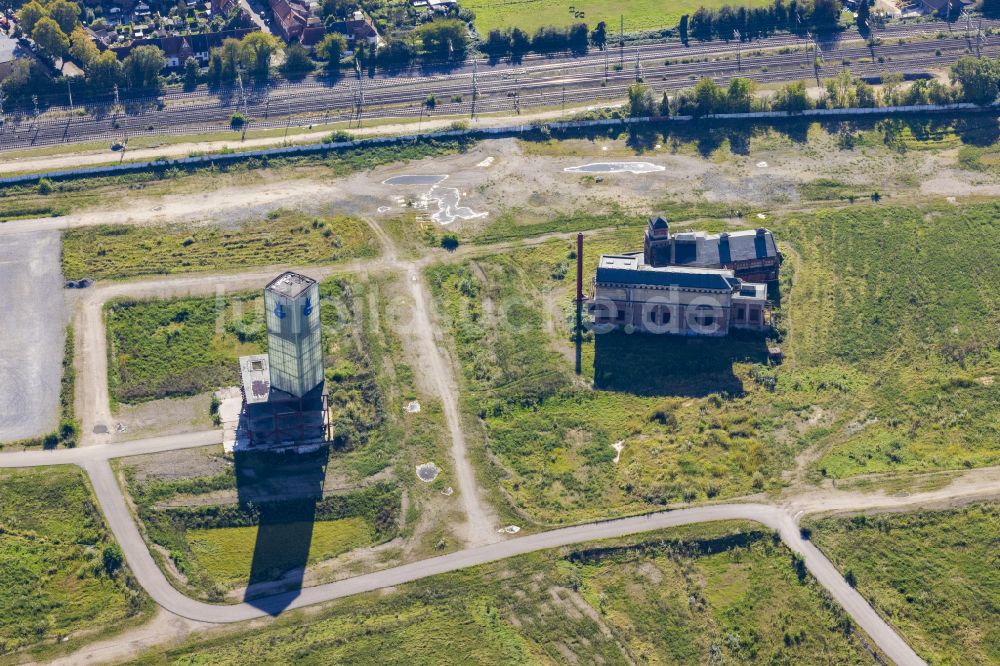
x=535, y=82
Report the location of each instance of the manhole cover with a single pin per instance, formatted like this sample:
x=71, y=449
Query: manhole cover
x=427, y=472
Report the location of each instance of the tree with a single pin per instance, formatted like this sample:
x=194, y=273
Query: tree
x=29, y=15
x=27, y=77
x=864, y=14
x=864, y=95
x=841, y=93
x=230, y=54
x=682, y=29
x=143, y=65
x=297, y=61
x=599, y=36
x=578, y=38
x=444, y=38
x=65, y=13
x=520, y=42
x=104, y=71
x=792, y=97
x=497, y=43
x=978, y=79
x=337, y=8
x=740, y=95
x=826, y=14
x=82, y=49
x=640, y=101
x=256, y=50
x=191, y=71
x=708, y=97
x=396, y=52
x=215, y=66
x=331, y=50
x=50, y=38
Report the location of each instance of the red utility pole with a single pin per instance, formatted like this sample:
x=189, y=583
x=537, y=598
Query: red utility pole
x=579, y=268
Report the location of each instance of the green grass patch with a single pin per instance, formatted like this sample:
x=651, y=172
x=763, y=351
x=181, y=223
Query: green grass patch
x=639, y=15
x=933, y=575
x=661, y=596
x=285, y=237
x=159, y=349
x=60, y=569
x=902, y=295
x=226, y=554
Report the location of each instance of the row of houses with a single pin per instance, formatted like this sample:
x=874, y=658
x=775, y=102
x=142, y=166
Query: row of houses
x=301, y=21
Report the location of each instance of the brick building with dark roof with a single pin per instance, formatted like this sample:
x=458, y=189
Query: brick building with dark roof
x=752, y=255
x=687, y=283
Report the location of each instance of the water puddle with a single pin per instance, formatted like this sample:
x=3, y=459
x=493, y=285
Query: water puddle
x=447, y=201
x=617, y=167
x=444, y=199
x=429, y=179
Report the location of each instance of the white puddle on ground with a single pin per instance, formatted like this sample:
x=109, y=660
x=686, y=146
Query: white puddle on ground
x=510, y=529
x=761, y=165
x=617, y=167
x=485, y=163
x=412, y=407
x=446, y=199
x=415, y=179
x=618, y=446
x=384, y=209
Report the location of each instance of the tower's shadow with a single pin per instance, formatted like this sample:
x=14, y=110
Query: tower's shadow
x=282, y=490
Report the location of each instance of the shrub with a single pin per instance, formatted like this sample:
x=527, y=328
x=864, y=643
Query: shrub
x=450, y=242
x=45, y=186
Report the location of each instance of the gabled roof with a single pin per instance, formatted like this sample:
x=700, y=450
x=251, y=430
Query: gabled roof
x=701, y=249
x=627, y=269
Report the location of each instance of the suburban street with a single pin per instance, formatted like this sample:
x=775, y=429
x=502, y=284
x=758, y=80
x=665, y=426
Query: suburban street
x=483, y=87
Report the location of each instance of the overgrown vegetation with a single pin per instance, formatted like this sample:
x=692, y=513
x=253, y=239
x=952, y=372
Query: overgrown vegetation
x=724, y=591
x=890, y=337
x=285, y=237
x=933, y=575
x=60, y=569
x=176, y=347
x=369, y=382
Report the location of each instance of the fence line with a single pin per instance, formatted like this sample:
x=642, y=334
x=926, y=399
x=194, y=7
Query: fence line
x=507, y=130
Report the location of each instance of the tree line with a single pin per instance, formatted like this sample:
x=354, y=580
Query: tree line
x=975, y=80
x=727, y=22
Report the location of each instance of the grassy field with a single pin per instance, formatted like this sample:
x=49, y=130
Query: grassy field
x=369, y=380
x=933, y=575
x=890, y=334
x=285, y=237
x=639, y=15
x=574, y=605
x=60, y=571
x=226, y=554
x=177, y=347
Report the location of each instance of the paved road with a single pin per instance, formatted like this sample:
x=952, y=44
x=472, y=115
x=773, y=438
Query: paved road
x=31, y=346
x=96, y=461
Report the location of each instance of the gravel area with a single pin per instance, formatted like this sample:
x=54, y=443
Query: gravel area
x=32, y=334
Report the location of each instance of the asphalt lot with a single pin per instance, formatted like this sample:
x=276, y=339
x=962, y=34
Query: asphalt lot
x=31, y=343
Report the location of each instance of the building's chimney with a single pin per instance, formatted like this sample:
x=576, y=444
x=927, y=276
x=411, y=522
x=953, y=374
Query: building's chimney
x=579, y=268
